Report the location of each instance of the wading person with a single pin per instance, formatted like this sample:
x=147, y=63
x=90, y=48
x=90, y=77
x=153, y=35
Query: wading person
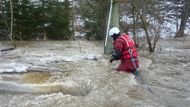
x=124, y=50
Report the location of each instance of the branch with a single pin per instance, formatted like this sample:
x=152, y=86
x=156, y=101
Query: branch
x=144, y=26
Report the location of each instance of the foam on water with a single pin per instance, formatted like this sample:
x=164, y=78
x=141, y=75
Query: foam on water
x=83, y=82
x=69, y=87
x=8, y=67
x=12, y=67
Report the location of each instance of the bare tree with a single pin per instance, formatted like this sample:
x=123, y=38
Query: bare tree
x=184, y=17
x=153, y=26
x=11, y=24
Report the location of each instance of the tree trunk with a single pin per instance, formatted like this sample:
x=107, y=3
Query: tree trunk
x=73, y=18
x=134, y=26
x=11, y=25
x=184, y=17
x=45, y=36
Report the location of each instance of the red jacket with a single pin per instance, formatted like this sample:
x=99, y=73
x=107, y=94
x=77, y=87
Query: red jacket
x=123, y=43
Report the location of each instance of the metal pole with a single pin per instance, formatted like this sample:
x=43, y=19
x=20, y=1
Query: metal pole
x=108, y=24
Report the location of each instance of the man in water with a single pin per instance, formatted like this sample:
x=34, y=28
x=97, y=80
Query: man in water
x=124, y=50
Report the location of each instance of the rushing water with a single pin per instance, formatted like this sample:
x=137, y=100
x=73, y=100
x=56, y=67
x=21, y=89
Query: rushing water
x=77, y=74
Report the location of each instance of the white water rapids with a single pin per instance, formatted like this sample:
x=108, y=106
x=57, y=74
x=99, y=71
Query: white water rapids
x=77, y=74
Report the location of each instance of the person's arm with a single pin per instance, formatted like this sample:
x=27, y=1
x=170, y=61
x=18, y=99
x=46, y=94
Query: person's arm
x=116, y=55
x=117, y=50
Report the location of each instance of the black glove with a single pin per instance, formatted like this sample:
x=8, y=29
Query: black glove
x=116, y=55
x=111, y=60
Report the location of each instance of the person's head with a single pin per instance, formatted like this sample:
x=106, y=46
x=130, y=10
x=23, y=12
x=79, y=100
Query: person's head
x=114, y=32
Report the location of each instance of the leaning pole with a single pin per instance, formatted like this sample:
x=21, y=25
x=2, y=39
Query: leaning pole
x=113, y=21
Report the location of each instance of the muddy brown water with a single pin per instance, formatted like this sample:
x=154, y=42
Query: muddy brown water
x=69, y=76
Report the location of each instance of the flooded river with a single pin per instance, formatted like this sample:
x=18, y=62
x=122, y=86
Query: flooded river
x=78, y=74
